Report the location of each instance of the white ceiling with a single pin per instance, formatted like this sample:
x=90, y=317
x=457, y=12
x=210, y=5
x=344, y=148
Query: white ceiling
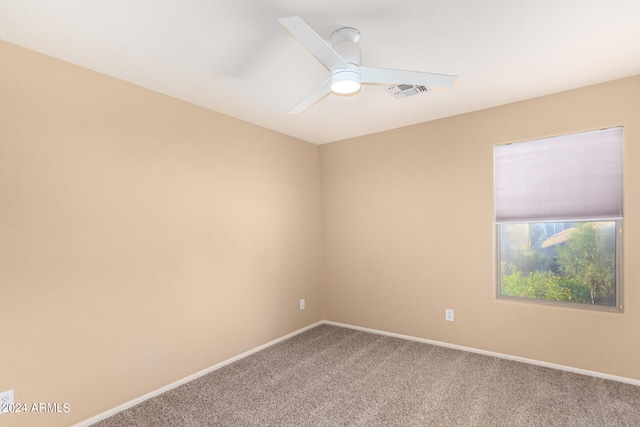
x=232, y=56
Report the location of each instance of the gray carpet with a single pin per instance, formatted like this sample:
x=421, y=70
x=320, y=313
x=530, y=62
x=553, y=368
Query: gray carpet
x=331, y=376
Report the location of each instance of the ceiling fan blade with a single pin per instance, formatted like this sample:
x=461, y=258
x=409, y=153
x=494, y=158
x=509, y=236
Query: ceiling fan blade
x=320, y=92
x=313, y=42
x=389, y=76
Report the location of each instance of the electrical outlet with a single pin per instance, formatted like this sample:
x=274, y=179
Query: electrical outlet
x=302, y=304
x=448, y=315
x=6, y=399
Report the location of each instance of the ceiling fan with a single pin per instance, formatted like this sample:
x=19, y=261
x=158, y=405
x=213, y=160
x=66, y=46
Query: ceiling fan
x=343, y=60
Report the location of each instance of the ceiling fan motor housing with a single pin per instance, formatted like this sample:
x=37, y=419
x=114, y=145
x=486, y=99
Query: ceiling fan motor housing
x=345, y=42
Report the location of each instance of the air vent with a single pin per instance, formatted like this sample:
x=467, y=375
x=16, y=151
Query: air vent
x=402, y=91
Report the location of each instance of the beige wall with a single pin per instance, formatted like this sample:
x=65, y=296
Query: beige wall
x=142, y=239
x=408, y=232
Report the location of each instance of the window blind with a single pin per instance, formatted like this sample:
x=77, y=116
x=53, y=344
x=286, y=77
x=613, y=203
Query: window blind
x=564, y=178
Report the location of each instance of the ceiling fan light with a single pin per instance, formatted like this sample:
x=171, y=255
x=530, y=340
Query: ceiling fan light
x=345, y=81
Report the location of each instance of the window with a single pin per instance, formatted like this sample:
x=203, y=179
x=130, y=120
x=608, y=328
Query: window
x=558, y=214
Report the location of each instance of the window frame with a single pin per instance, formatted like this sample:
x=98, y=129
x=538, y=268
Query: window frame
x=619, y=247
x=618, y=307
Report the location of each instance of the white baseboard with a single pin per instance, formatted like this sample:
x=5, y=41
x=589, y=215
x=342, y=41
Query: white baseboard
x=187, y=379
x=490, y=353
